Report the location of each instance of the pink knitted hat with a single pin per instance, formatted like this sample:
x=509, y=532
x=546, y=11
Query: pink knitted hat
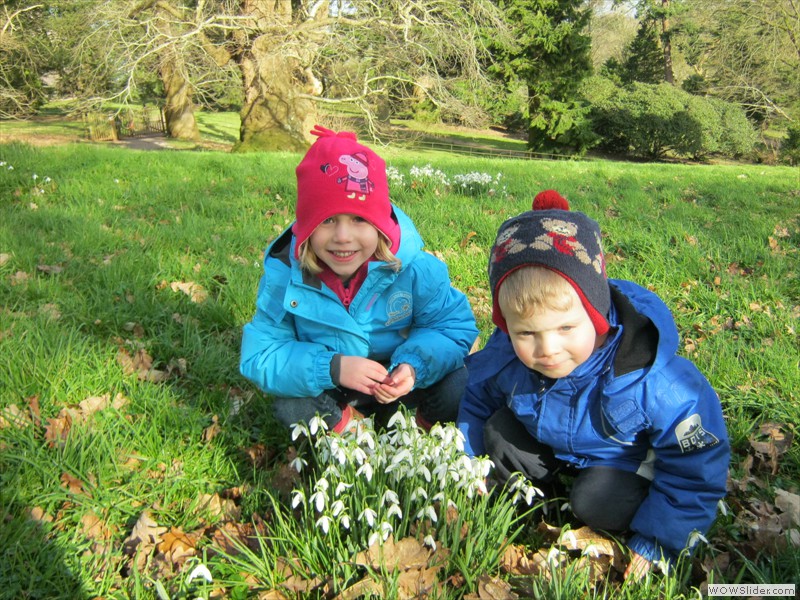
x=340, y=176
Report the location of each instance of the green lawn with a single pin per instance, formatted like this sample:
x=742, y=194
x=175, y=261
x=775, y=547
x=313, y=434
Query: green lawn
x=131, y=451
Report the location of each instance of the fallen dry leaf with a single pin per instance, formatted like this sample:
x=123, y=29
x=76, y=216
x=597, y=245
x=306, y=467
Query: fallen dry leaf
x=789, y=504
x=13, y=416
x=213, y=430
x=73, y=485
x=408, y=553
x=492, y=588
x=50, y=269
x=140, y=364
x=145, y=535
x=771, y=442
x=94, y=528
x=195, y=291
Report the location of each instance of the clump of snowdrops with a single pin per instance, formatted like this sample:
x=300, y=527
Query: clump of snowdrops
x=429, y=179
x=366, y=486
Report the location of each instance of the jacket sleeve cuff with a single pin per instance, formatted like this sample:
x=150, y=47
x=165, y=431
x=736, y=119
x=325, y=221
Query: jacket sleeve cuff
x=420, y=371
x=646, y=548
x=322, y=370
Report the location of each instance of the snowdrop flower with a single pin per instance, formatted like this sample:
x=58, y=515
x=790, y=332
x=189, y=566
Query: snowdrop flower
x=723, y=508
x=479, y=485
x=662, y=565
x=553, y=556
x=366, y=470
x=386, y=530
x=324, y=523
x=341, y=488
x=337, y=451
x=394, y=509
x=424, y=471
x=440, y=471
x=365, y=437
x=398, y=417
x=359, y=456
x=317, y=423
x=200, y=571
x=299, y=429
x=429, y=542
x=695, y=538
x=298, y=498
x=428, y=511
x=2, y=163
x=319, y=499
x=591, y=550
x=369, y=515
x=568, y=536
x=374, y=537
x=419, y=493
x=10, y=167
x=337, y=507
x=480, y=467
x=345, y=521
x=298, y=463
x=390, y=496
x=401, y=456
x=47, y=180
x=35, y=177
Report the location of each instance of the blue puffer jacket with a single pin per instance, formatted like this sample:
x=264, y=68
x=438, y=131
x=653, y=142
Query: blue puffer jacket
x=634, y=405
x=412, y=316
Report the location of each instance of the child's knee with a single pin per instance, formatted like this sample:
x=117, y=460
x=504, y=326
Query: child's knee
x=606, y=498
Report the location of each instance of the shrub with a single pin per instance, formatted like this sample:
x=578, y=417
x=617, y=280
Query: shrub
x=738, y=136
x=653, y=120
x=790, y=147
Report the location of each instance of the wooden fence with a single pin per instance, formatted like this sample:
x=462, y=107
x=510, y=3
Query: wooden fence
x=103, y=127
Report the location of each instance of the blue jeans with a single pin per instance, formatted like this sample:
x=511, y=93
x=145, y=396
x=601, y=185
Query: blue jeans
x=437, y=403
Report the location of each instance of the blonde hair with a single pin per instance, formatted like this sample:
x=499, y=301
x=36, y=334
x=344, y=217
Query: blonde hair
x=309, y=261
x=528, y=289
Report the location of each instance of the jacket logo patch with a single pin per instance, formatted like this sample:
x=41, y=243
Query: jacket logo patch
x=691, y=435
x=398, y=307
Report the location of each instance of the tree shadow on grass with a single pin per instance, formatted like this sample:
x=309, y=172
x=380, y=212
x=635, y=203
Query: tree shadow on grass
x=32, y=562
x=103, y=278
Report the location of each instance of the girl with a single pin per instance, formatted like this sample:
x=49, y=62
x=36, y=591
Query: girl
x=352, y=315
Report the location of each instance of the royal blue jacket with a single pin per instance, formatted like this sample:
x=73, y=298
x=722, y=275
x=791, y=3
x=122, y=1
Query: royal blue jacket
x=411, y=316
x=633, y=405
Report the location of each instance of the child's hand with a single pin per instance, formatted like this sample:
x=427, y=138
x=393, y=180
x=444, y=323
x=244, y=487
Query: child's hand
x=398, y=384
x=361, y=374
x=638, y=567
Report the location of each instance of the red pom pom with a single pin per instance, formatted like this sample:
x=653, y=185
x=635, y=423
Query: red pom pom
x=550, y=199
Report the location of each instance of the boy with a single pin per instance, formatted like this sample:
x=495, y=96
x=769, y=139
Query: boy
x=582, y=376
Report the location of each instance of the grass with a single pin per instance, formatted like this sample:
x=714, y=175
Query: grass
x=97, y=264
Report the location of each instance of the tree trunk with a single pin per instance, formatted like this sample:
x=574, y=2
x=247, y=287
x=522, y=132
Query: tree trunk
x=274, y=116
x=666, y=43
x=179, y=109
x=277, y=112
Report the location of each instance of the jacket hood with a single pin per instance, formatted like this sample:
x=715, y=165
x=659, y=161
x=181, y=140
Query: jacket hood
x=649, y=337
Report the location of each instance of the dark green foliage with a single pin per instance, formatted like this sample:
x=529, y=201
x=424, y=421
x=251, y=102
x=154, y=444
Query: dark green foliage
x=653, y=121
x=790, y=147
x=551, y=59
x=642, y=59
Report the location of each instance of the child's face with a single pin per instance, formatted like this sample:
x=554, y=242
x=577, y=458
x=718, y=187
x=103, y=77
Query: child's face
x=554, y=342
x=344, y=242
